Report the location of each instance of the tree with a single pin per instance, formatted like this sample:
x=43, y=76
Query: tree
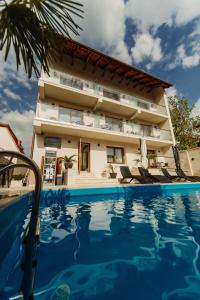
x=184, y=124
x=36, y=29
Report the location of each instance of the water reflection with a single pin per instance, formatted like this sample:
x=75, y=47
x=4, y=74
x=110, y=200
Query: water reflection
x=145, y=245
x=83, y=218
x=56, y=223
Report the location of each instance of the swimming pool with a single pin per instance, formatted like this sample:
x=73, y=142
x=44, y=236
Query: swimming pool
x=117, y=243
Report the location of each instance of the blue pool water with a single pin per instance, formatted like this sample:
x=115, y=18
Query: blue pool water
x=13, y=221
x=128, y=243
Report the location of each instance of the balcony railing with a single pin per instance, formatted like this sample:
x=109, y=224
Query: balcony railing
x=100, y=121
x=102, y=91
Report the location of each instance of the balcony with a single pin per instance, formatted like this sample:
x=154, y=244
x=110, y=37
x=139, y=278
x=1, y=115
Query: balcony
x=96, y=125
x=88, y=93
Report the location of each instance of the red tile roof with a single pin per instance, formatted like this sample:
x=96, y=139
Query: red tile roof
x=17, y=142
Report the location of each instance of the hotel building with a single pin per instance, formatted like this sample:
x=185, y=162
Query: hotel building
x=99, y=108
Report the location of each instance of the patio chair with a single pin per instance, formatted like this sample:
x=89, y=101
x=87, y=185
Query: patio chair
x=182, y=174
x=126, y=174
x=169, y=176
x=154, y=178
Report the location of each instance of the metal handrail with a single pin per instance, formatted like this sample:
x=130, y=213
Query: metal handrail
x=30, y=248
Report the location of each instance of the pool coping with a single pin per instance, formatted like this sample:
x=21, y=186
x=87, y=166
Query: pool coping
x=84, y=191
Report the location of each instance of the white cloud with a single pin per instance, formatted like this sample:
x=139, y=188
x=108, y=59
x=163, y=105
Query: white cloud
x=11, y=94
x=146, y=47
x=152, y=14
x=21, y=124
x=188, y=61
x=191, y=60
x=15, y=86
x=8, y=71
x=171, y=92
x=196, y=30
x=148, y=16
x=187, y=58
x=186, y=11
x=9, y=77
x=196, y=109
x=104, y=27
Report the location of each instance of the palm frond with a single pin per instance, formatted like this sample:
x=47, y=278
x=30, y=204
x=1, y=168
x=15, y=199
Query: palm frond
x=36, y=30
x=68, y=158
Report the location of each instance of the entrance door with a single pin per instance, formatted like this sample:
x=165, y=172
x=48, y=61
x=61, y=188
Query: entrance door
x=151, y=155
x=49, y=173
x=85, y=157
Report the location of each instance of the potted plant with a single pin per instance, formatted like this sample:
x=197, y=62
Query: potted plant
x=113, y=174
x=137, y=161
x=68, y=161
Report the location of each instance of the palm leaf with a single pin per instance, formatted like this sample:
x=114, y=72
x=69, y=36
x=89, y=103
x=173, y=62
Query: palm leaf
x=68, y=158
x=36, y=30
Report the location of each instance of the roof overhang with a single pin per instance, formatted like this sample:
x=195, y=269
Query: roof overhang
x=100, y=60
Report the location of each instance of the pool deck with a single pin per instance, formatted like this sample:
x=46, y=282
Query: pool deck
x=8, y=195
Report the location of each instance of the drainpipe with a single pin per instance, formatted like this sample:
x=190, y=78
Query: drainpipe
x=79, y=156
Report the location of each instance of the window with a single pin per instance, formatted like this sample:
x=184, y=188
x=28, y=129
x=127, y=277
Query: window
x=115, y=155
x=64, y=114
x=111, y=95
x=54, y=142
x=77, y=117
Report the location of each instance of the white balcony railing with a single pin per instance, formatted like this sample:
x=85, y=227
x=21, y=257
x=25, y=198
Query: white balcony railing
x=100, y=90
x=100, y=121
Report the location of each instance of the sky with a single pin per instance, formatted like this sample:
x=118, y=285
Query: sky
x=160, y=37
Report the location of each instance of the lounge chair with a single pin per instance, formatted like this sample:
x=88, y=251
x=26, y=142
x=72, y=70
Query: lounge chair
x=168, y=175
x=126, y=174
x=182, y=174
x=154, y=178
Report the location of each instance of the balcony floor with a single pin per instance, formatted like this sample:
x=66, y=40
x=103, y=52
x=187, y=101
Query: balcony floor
x=54, y=127
x=52, y=90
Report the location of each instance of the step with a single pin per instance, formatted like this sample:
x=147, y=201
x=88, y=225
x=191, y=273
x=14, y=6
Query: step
x=85, y=174
x=85, y=184
x=95, y=181
x=95, y=178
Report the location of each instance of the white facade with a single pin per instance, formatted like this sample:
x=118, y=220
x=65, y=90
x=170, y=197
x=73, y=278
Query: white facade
x=9, y=142
x=6, y=140
x=99, y=121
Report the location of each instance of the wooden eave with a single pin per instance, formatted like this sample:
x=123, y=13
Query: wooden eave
x=109, y=64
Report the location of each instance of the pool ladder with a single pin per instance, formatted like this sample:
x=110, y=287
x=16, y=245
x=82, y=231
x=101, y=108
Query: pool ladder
x=31, y=235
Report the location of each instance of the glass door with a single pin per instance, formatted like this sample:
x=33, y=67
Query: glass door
x=85, y=157
x=151, y=156
x=49, y=167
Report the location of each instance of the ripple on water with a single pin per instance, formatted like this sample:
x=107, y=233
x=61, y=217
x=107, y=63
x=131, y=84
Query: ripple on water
x=147, y=246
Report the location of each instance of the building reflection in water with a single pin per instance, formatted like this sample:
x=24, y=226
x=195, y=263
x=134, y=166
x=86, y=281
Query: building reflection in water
x=131, y=237
x=83, y=217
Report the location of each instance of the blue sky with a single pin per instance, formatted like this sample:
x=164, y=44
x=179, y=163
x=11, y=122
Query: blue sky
x=161, y=37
